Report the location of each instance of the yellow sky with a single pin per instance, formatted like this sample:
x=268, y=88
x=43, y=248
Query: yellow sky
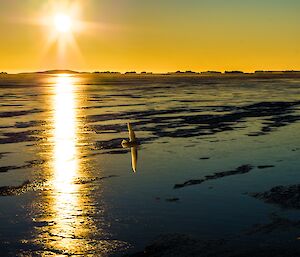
x=155, y=35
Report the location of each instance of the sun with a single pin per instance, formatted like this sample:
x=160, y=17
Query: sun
x=62, y=23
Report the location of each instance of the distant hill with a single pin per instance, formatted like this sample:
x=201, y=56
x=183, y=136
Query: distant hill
x=54, y=72
x=58, y=72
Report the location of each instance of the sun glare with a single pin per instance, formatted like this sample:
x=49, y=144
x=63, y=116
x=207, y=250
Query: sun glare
x=62, y=23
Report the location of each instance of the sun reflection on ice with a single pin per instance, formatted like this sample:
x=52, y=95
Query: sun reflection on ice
x=69, y=222
x=65, y=155
x=66, y=201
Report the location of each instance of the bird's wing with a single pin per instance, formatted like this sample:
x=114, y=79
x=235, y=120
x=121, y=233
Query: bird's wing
x=131, y=133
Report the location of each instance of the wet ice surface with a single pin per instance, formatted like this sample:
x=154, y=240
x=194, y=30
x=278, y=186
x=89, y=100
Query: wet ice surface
x=67, y=186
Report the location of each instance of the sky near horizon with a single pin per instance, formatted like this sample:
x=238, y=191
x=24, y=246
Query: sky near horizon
x=151, y=35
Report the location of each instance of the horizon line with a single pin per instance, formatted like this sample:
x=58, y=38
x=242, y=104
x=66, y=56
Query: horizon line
x=133, y=72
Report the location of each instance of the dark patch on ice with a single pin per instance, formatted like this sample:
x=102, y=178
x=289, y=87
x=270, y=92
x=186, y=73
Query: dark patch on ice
x=174, y=199
x=239, y=170
x=181, y=122
x=29, y=124
x=7, y=168
x=29, y=164
x=19, y=137
x=280, y=121
x=35, y=185
x=11, y=105
x=284, y=196
x=83, y=181
x=117, y=151
x=18, y=113
x=26, y=186
x=2, y=154
x=110, y=106
x=256, y=134
x=180, y=245
x=265, y=166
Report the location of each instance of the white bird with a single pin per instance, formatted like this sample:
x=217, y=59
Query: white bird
x=132, y=138
x=132, y=143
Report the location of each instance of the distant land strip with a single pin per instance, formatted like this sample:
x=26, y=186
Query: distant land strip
x=184, y=73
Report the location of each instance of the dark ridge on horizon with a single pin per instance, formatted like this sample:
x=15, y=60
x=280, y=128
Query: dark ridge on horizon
x=57, y=71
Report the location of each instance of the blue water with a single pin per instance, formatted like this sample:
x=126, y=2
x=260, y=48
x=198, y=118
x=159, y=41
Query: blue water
x=63, y=134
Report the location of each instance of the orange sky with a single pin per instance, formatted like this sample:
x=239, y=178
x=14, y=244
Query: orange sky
x=155, y=35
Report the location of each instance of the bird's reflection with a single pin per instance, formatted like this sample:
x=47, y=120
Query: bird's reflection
x=132, y=144
x=134, y=156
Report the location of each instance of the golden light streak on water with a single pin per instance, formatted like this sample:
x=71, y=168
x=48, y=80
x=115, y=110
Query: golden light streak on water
x=66, y=196
x=69, y=223
x=65, y=157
